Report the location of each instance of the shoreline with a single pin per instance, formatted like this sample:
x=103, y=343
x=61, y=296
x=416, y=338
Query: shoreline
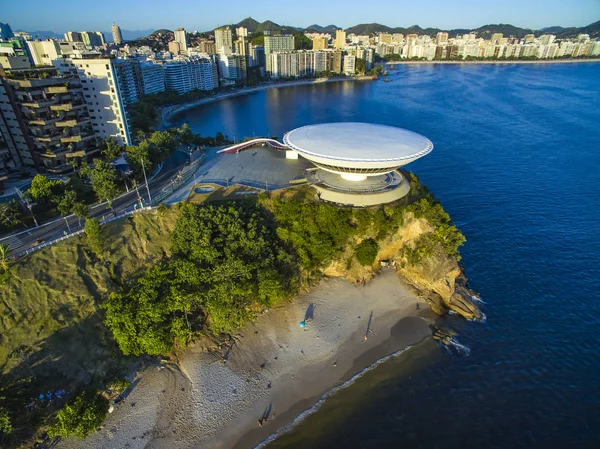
x=275, y=368
x=499, y=61
x=168, y=111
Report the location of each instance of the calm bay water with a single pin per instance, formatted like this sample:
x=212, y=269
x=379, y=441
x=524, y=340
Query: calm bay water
x=517, y=165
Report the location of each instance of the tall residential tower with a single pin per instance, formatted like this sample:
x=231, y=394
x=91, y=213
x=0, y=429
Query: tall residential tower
x=116, y=33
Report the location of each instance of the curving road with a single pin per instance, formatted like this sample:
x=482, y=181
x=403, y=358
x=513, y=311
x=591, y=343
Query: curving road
x=127, y=202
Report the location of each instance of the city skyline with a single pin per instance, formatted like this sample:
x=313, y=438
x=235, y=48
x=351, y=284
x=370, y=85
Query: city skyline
x=152, y=15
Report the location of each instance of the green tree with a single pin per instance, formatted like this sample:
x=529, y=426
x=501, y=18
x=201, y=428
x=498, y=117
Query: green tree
x=43, y=189
x=10, y=214
x=80, y=210
x=361, y=66
x=5, y=425
x=111, y=149
x=366, y=252
x=94, y=238
x=226, y=262
x=80, y=417
x=136, y=155
x=104, y=181
x=65, y=203
x=164, y=144
x=186, y=136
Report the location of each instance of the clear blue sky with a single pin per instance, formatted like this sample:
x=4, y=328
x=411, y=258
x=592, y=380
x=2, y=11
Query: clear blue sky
x=64, y=15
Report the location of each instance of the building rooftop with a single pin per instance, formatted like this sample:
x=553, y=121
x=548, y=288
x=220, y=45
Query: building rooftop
x=354, y=141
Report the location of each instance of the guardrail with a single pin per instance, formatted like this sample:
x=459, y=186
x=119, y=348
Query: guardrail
x=73, y=234
x=179, y=181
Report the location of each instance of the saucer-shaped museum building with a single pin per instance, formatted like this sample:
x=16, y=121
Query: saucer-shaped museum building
x=357, y=162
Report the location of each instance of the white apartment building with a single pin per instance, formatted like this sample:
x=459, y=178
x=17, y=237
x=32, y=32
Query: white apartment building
x=153, y=78
x=223, y=41
x=273, y=44
x=233, y=67
x=181, y=39
x=190, y=74
x=102, y=94
x=349, y=64
x=44, y=52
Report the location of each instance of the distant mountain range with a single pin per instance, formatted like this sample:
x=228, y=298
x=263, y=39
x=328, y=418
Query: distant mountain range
x=370, y=28
x=128, y=35
x=253, y=26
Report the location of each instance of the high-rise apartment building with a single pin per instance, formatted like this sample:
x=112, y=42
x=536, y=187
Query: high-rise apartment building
x=116, y=33
x=181, y=39
x=320, y=43
x=280, y=43
x=241, y=32
x=44, y=52
x=233, y=67
x=496, y=37
x=14, y=55
x=174, y=47
x=441, y=38
x=385, y=38
x=207, y=47
x=335, y=63
x=223, y=41
x=349, y=64
x=5, y=31
x=44, y=119
x=103, y=94
x=129, y=79
x=340, y=39
x=190, y=74
x=73, y=36
x=256, y=56
x=153, y=78
x=92, y=38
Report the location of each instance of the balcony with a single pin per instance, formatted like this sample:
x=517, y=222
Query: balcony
x=56, y=89
x=65, y=123
x=61, y=107
x=47, y=139
x=40, y=104
x=71, y=139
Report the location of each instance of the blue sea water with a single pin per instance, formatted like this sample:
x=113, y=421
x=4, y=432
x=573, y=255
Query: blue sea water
x=517, y=165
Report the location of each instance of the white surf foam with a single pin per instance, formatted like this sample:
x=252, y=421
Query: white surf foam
x=302, y=416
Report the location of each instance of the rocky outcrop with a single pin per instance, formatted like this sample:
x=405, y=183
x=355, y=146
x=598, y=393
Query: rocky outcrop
x=437, y=278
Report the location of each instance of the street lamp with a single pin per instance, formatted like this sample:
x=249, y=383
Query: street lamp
x=28, y=204
x=146, y=179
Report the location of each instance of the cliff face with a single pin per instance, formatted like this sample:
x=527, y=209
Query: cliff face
x=437, y=277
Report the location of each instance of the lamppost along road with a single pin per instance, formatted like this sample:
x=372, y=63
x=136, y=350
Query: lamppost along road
x=125, y=203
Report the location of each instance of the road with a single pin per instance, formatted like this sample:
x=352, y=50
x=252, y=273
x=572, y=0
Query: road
x=125, y=203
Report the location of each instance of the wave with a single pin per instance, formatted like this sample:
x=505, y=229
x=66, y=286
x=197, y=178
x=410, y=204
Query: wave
x=454, y=347
x=477, y=299
x=302, y=416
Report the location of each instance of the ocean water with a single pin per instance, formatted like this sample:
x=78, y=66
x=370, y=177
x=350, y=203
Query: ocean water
x=516, y=163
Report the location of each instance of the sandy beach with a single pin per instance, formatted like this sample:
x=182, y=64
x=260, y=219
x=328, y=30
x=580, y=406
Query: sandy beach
x=275, y=369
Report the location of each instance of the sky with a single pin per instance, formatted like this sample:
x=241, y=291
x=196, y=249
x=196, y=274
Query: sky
x=77, y=15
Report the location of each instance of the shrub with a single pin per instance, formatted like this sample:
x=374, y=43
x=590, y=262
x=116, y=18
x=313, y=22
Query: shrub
x=366, y=252
x=80, y=417
x=93, y=236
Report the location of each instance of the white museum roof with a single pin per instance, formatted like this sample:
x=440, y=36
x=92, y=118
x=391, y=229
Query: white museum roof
x=355, y=141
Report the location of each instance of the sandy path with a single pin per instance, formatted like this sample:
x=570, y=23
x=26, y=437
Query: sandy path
x=275, y=366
